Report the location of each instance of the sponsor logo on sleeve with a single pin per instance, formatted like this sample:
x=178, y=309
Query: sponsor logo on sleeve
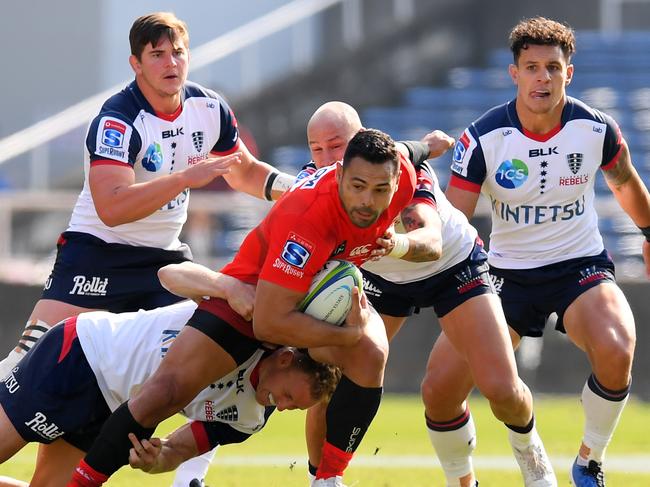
x=460, y=150
x=11, y=383
x=112, y=139
x=297, y=251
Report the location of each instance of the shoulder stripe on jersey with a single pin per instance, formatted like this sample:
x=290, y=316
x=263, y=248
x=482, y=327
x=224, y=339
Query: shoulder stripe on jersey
x=200, y=436
x=109, y=162
x=228, y=152
x=460, y=183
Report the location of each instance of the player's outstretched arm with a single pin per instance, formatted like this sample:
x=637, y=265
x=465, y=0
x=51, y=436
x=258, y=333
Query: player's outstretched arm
x=632, y=194
x=119, y=199
x=157, y=456
x=258, y=178
x=195, y=281
x=276, y=319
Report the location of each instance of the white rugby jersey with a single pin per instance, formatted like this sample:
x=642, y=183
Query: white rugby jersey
x=129, y=132
x=125, y=349
x=458, y=237
x=541, y=188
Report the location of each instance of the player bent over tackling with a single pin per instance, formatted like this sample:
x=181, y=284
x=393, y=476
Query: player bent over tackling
x=61, y=393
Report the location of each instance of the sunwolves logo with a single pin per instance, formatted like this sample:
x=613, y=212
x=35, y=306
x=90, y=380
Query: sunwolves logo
x=95, y=287
x=230, y=414
x=467, y=281
x=575, y=161
x=370, y=289
x=197, y=140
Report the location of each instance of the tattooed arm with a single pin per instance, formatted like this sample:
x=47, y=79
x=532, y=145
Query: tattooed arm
x=423, y=227
x=632, y=194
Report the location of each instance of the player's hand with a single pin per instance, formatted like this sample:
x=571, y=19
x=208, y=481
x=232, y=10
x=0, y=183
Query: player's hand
x=386, y=243
x=646, y=257
x=438, y=142
x=359, y=315
x=203, y=172
x=240, y=296
x=144, y=454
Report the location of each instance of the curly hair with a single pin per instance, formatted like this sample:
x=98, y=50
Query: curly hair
x=373, y=146
x=541, y=31
x=323, y=377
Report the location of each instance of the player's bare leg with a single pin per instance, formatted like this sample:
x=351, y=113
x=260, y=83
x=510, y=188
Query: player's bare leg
x=46, y=314
x=356, y=399
x=10, y=441
x=601, y=324
x=477, y=332
x=315, y=424
x=55, y=463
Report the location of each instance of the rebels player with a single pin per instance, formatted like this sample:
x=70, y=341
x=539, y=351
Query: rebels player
x=339, y=212
x=150, y=144
x=536, y=159
x=68, y=384
x=457, y=285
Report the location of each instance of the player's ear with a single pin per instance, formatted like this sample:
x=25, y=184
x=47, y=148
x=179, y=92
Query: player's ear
x=285, y=357
x=569, y=75
x=514, y=73
x=135, y=64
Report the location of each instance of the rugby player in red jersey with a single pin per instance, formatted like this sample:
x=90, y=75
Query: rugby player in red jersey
x=341, y=211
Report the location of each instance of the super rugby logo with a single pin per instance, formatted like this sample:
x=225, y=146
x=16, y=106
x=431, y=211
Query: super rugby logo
x=296, y=251
x=511, y=174
x=113, y=133
x=460, y=149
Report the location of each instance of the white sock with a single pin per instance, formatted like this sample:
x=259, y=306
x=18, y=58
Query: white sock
x=454, y=447
x=33, y=331
x=194, y=468
x=603, y=409
x=521, y=441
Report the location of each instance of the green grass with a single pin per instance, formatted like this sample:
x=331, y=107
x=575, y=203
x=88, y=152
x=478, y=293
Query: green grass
x=398, y=430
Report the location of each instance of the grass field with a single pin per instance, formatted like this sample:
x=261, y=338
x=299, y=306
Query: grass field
x=396, y=451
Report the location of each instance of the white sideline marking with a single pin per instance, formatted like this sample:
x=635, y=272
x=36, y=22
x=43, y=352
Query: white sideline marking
x=613, y=463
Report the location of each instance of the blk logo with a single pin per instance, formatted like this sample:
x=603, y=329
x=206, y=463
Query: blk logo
x=542, y=152
x=166, y=134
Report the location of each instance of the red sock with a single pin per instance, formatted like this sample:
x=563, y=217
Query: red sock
x=333, y=462
x=86, y=476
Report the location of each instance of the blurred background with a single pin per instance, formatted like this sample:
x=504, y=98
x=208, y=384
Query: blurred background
x=408, y=66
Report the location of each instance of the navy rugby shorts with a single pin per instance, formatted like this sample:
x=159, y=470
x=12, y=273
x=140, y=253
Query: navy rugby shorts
x=53, y=393
x=91, y=273
x=529, y=296
x=444, y=291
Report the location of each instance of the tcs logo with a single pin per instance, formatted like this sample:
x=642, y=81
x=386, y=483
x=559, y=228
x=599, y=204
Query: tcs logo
x=511, y=174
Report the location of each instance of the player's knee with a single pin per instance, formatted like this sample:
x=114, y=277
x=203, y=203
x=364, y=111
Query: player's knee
x=614, y=361
x=502, y=392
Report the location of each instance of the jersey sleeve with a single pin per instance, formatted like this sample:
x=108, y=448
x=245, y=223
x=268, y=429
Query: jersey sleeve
x=229, y=134
x=297, y=250
x=468, y=163
x=424, y=188
x=612, y=144
x=112, y=139
x=208, y=434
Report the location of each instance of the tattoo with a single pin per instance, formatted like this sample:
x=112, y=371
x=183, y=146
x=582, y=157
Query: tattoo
x=421, y=252
x=622, y=171
x=410, y=219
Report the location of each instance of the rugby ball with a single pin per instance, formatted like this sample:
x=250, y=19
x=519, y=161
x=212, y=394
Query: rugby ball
x=330, y=295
